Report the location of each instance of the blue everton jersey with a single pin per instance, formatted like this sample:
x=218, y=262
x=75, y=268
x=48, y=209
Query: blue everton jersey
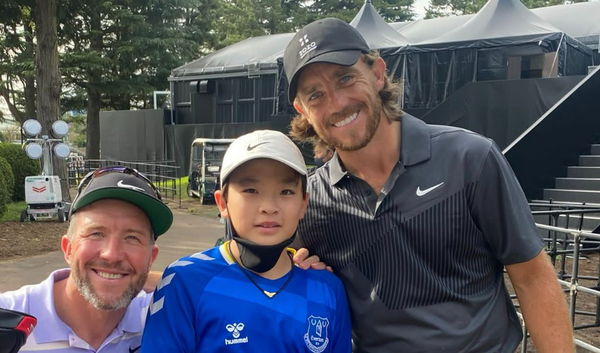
x=205, y=303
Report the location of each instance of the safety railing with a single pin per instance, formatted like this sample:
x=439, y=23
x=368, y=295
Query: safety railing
x=568, y=246
x=162, y=173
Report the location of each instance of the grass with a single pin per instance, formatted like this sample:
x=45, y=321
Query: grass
x=13, y=212
x=191, y=204
x=184, y=183
x=180, y=187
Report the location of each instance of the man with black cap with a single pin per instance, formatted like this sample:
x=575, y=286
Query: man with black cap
x=97, y=305
x=418, y=220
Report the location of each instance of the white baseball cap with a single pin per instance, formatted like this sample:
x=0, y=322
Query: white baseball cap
x=269, y=144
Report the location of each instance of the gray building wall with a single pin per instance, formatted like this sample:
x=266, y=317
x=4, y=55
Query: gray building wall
x=132, y=135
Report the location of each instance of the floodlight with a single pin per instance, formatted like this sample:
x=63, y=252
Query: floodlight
x=33, y=150
x=32, y=127
x=60, y=129
x=61, y=150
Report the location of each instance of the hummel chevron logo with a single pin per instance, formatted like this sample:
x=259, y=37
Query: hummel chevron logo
x=428, y=190
x=250, y=147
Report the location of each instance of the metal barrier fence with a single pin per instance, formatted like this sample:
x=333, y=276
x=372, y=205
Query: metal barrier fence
x=567, y=248
x=162, y=173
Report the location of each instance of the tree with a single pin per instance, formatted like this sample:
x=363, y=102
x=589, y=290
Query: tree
x=48, y=78
x=119, y=51
x=47, y=72
x=241, y=19
x=390, y=10
x=17, y=67
x=395, y=10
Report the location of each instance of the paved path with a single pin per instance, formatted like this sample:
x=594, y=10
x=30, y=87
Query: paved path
x=188, y=234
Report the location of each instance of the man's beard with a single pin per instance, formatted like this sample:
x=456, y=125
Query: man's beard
x=87, y=291
x=371, y=128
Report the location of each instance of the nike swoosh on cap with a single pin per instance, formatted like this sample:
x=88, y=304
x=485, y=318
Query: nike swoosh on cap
x=121, y=184
x=250, y=147
x=428, y=190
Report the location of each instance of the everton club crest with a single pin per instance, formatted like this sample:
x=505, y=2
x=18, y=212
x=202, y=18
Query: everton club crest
x=315, y=337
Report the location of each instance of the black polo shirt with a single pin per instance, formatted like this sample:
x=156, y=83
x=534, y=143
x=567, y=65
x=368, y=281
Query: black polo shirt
x=422, y=262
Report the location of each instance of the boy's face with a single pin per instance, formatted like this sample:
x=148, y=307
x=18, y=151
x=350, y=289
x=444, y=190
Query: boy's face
x=264, y=202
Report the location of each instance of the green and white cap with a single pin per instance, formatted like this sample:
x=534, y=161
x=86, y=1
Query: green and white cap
x=128, y=185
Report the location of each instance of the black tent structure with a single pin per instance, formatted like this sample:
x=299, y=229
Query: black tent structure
x=504, y=40
x=578, y=20
x=234, y=84
x=426, y=29
x=378, y=33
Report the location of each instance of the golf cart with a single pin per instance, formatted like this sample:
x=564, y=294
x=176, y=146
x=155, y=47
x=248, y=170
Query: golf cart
x=206, y=157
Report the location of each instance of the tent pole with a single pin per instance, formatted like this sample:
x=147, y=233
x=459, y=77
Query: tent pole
x=560, y=43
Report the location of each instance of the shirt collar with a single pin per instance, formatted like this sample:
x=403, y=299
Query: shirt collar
x=416, y=141
x=135, y=317
x=336, y=171
x=51, y=327
x=415, y=147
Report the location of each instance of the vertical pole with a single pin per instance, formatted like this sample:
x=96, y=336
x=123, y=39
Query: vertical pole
x=574, y=278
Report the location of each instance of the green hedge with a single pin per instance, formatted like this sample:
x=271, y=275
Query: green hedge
x=7, y=184
x=6, y=174
x=4, y=195
x=21, y=165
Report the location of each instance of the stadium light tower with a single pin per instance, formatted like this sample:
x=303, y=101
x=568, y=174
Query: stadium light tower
x=43, y=194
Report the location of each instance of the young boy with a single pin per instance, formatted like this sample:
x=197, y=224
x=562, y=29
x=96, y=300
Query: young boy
x=246, y=295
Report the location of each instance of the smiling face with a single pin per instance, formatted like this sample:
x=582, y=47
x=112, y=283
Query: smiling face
x=342, y=102
x=110, y=250
x=264, y=201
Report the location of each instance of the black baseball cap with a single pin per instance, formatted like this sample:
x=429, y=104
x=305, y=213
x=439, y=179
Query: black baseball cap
x=126, y=184
x=328, y=40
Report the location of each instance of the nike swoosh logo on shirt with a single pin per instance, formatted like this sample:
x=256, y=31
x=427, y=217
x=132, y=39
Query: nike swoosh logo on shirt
x=250, y=147
x=428, y=190
x=133, y=350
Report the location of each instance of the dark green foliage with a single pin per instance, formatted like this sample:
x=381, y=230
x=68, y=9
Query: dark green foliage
x=126, y=49
x=4, y=199
x=394, y=10
x=5, y=179
x=240, y=19
x=17, y=58
x=6, y=174
x=390, y=10
x=22, y=166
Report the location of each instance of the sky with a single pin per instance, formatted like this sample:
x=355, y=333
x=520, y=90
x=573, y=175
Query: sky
x=419, y=6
